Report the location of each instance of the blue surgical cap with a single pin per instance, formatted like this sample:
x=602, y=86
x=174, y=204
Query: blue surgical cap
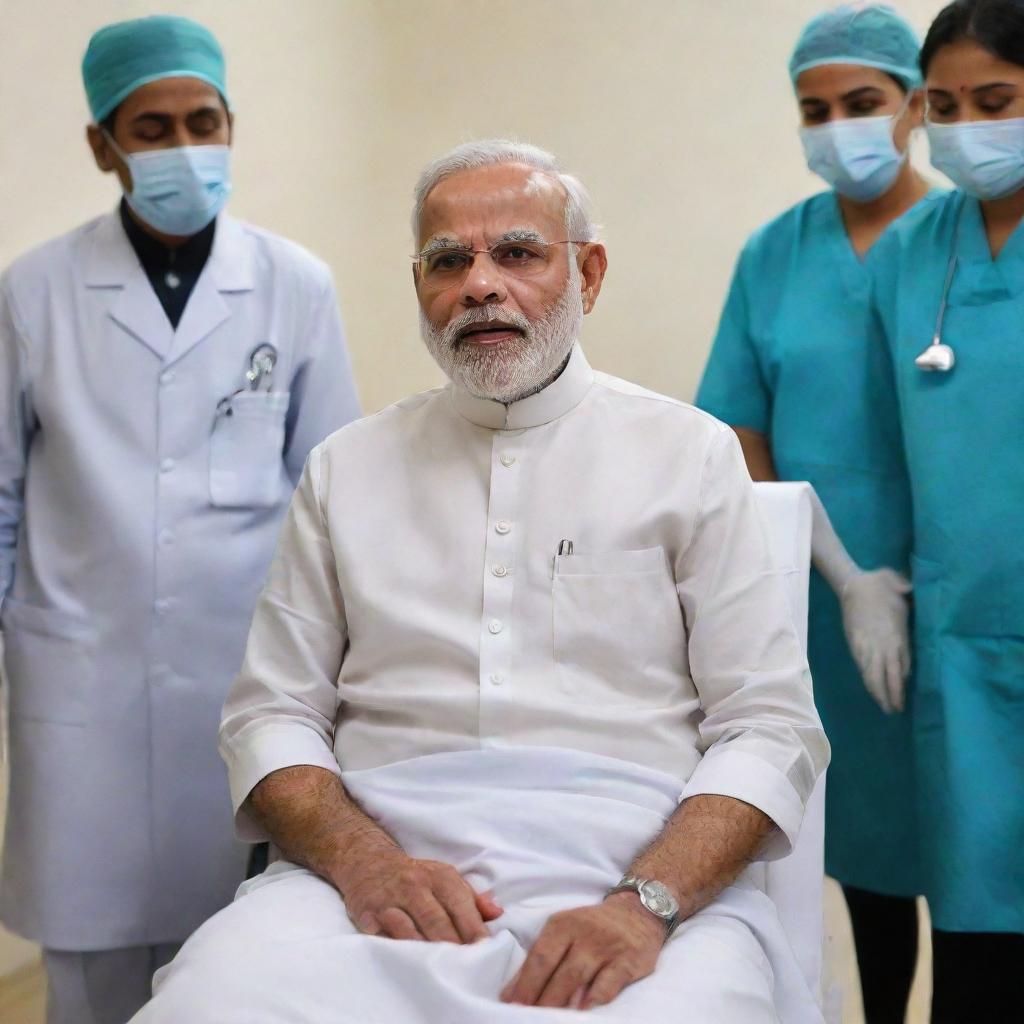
x=871, y=35
x=128, y=54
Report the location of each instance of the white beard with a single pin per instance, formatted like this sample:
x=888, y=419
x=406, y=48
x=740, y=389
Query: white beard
x=516, y=368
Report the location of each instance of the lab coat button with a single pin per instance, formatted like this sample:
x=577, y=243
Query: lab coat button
x=499, y=570
x=164, y=605
x=166, y=377
x=167, y=465
x=495, y=626
x=497, y=678
x=166, y=537
x=502, y=526
x=508, y=460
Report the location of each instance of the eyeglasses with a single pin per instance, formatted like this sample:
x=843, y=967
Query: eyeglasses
x=517, y=259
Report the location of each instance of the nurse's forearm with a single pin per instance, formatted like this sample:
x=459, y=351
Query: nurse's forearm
x=313, y=821
x=757, y=454
x=828, y=553
x=703, y=848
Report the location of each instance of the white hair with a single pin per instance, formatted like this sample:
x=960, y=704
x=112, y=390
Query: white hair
x=470, y=155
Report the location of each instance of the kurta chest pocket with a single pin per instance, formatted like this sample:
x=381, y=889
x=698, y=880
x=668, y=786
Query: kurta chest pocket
x=617, y=627
x=247, y=450
x=50, y=663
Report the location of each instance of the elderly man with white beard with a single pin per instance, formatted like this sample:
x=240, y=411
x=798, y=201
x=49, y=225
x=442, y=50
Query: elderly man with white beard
x=521, y=700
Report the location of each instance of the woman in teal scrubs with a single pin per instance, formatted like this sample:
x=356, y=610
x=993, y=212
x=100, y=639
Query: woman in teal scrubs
x=962, y=409
x=792, y=371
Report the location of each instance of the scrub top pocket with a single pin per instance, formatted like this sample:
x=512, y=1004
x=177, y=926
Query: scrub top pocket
x=247, y=449
x=618, y=627
x=49, y=662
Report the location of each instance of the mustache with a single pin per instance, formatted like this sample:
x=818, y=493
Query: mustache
x=454, y=330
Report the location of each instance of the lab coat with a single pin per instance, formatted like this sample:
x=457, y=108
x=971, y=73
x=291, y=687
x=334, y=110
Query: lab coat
x=137, y=522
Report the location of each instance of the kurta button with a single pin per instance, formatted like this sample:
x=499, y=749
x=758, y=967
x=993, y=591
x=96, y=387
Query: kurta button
x=171, y=279
x=499, y=570
x=503, y=526
x=497, y=678
x=508, y=460
x=495, y=626
x=167, y=465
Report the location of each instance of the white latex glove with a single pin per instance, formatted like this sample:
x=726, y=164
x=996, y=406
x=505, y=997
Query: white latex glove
x=874, y=608
x=875, y=612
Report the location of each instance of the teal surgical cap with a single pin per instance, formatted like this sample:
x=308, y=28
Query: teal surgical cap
x=124, y=56
x=871, y=35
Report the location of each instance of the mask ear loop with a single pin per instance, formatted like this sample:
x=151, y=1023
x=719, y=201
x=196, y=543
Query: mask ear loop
x=113, y=145
x=899, y=115
x=125, y=158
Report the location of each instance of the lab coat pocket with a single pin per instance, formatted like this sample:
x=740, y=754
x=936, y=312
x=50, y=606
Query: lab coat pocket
x=247, y=451
x=49, y=664
x=617, y=627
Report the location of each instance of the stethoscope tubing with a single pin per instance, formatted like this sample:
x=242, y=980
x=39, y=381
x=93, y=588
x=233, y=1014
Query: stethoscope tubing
x=939, y=356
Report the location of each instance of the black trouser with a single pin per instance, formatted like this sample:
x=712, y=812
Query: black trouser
x=885, y=934
x=979, y=977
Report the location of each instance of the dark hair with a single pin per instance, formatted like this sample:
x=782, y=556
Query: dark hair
x=110, y=120
x=996, y=25
x=904, y=88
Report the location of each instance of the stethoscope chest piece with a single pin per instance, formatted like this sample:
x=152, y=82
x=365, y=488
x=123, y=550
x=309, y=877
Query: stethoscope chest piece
x=937, y=358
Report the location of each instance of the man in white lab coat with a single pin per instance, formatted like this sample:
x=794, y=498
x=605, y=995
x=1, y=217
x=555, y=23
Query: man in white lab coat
x=164, y=372
x=522, y=699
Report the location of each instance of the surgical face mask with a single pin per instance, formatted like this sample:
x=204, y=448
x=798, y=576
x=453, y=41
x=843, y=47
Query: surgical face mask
x=178, y=191
x=857, y=156
x=983, y=158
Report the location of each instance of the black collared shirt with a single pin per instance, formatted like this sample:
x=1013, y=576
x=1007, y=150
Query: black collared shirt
x=172, y=272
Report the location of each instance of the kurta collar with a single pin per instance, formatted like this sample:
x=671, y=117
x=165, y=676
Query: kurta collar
x=561, y=396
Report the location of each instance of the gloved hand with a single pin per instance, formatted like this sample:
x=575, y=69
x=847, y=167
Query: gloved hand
x=875, y=613
x=874, y=608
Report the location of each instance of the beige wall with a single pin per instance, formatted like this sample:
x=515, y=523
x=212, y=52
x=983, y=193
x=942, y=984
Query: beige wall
x=678, y=114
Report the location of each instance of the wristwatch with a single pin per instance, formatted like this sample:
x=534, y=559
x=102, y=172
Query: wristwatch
x=654, y=897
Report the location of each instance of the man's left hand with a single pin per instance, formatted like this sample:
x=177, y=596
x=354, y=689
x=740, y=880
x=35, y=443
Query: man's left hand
x=587, y=956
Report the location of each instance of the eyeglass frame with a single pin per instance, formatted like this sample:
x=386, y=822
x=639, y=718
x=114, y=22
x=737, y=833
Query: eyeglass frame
x=419, y=257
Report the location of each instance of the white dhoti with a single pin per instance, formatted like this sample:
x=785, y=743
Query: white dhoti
x=547, y=830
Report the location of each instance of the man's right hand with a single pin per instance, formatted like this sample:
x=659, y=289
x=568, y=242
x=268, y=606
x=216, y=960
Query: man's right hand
x=391, y=894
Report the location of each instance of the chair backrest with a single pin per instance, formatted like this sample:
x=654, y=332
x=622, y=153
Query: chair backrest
x=796, y=883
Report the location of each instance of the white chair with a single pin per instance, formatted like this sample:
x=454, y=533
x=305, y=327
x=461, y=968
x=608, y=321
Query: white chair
x=796, y=883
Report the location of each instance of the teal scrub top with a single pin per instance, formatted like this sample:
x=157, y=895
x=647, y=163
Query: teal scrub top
x=964, y=438
x=791, y=360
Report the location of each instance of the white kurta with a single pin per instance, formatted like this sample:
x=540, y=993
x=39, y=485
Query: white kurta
x=547, y=829
x=137, y=525
x=418, y=610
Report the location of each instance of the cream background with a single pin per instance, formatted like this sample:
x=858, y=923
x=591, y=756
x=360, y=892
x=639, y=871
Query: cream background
x=677, y=113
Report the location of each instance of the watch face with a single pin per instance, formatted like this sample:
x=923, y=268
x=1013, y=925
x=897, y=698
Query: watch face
x=658, y=900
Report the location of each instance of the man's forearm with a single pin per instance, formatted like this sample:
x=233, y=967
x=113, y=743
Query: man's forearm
x=314, y=822
x=705, y=845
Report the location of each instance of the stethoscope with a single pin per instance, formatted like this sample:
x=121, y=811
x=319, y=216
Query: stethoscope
x=938, y=356
x=262, y=361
